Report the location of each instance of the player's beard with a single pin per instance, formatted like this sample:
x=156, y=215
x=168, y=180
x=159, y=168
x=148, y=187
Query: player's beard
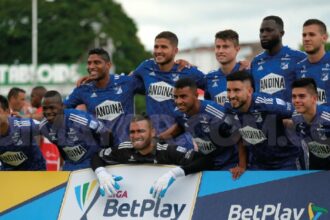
x=313, y=51
x=165, y=62
x=239, y=105
x=142, y=146
x=101, y=76
x=270, y=44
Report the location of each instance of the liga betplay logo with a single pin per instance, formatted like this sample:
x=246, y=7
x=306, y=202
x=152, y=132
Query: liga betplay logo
x=82, y=198
x=315, y=212
x=84, y=192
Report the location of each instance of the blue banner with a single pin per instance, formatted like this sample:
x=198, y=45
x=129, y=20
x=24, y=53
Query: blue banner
x=264, y=195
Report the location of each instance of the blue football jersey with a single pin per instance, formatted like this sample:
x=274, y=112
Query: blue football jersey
x=18, y=149
x=274, y=74
x=159, y=92
x=216, y=85
x=205, y=128
x=262, y=130
x=114, y=105
x=78, y=138
x=317, y=137
x=320, y=72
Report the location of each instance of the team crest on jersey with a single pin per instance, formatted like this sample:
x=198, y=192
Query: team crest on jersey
x=109, y=110
x=284, y=66
x=302, y=127
x=252, y=135
x=325, y=76
x=160, y=91
x=118, y=90
x=319, y=150
x=175, y=77
x=206, y=128
x=205, y=125
x=221, y=98
x=272, y=83
x=16, y=137
x=13, y=158
x=257, y=117
x=322, y=98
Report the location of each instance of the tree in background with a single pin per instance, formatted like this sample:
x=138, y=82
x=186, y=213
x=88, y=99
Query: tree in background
x=67, y=30
x=327, y=47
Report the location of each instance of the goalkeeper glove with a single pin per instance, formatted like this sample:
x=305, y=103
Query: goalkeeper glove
x=108, y=183
x=161, y=185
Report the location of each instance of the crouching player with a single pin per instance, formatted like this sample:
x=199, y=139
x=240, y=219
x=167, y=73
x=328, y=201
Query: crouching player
x=145, y=148
x=312, y=123
x=18, y=148
x=77, y=134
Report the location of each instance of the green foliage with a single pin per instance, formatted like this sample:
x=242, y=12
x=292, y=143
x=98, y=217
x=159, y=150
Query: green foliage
x=67, y=30
x=327, y=46
x=140, y=104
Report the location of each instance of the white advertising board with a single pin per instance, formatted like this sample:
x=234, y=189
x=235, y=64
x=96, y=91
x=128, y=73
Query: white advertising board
x=133, y=201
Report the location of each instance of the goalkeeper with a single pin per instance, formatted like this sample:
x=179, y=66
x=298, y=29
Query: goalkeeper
x=144, y=147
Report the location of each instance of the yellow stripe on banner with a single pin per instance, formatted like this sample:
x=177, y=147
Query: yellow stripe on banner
x=91, y=189
x=18, y=187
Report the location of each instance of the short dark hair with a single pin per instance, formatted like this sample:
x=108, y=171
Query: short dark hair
x=101, y=52
x=40, y=89
x=185, y=82
x=277, y=20
x=228, y=35
x=13, y=92
x=308, y=83
x=241, y=76
x=53, y=94
x=4, y=103
x=169, y=36
x=142, y=117
x=322, y=26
